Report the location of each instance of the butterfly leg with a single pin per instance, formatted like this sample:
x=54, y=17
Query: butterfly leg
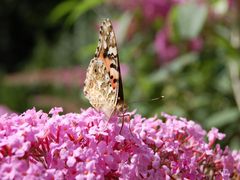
x=123, y=120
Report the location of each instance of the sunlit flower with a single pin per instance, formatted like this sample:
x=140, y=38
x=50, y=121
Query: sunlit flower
x=37, y=145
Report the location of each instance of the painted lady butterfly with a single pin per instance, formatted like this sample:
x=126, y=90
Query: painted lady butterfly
x=103, y=85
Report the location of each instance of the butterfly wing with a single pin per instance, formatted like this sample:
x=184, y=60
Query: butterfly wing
x=103, y=84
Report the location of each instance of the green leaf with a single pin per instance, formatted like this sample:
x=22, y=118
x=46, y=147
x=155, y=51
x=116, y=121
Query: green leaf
x=72, y=9
x=223, y=118
x=175, y=66
x=189, y=19
x=61, y=10
x=81, y=8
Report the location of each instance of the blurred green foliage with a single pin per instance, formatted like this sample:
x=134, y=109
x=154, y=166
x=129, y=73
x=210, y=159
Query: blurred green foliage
x=201, y=82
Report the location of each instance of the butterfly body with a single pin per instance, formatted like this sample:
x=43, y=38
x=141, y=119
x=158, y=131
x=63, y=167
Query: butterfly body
x=103, y=84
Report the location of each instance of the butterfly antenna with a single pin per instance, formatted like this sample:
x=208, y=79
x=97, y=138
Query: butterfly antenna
x=123, y=117
x=150, y=100
x=158, y=98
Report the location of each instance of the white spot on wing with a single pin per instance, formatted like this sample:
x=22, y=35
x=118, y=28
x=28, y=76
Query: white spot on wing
x=104, y=44
x=113, y=50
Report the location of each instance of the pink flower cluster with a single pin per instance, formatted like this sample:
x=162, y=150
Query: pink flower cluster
x=37, y=145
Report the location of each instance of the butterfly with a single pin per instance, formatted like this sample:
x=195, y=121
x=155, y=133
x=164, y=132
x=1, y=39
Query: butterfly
x=103, y=84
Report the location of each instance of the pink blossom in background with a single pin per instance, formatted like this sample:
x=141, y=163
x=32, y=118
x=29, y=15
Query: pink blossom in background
x=160, y=10
x=165, y=50
x=151, y=9
x=196, y=44
x=156, y=8
x=68, y=77
x=230, y=3
x=38, y=145
x=4, y=110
